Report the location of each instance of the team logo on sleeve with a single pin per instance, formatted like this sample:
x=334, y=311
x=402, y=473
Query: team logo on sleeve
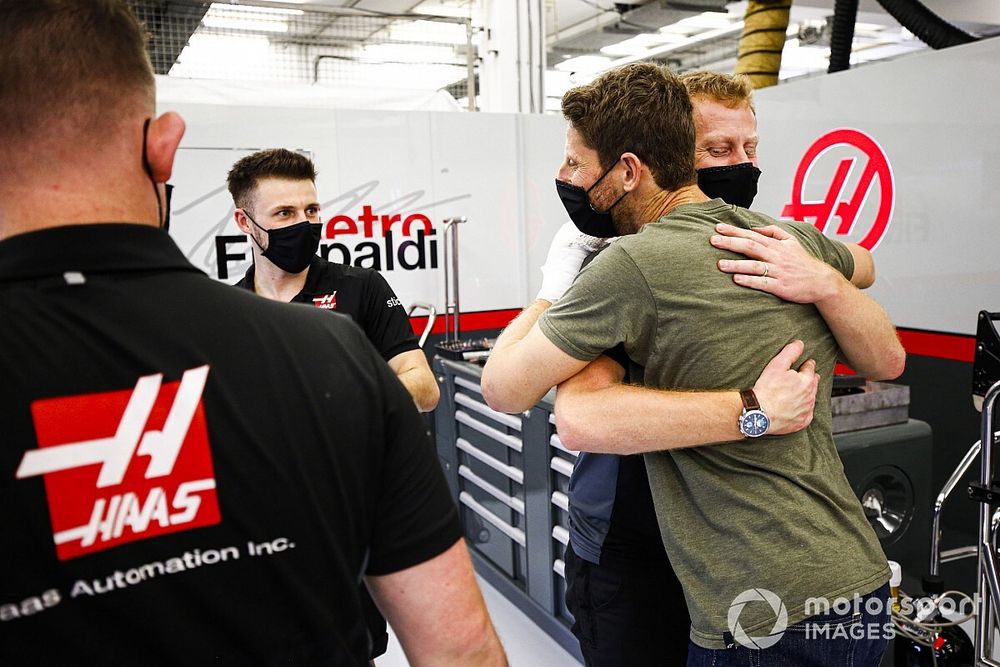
x=124, y=465
x=326, y=302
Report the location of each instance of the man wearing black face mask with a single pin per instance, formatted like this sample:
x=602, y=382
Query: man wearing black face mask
x=732, y=516
x=621, y=587
x=277, y=207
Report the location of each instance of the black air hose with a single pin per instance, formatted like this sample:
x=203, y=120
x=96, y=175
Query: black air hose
x=845, y=13
x=925, y=24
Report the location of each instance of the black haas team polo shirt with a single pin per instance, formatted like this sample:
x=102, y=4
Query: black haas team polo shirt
x=191, y=474
x=364, y=295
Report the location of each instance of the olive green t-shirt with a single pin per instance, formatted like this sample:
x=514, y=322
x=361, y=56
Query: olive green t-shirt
x=774, y=512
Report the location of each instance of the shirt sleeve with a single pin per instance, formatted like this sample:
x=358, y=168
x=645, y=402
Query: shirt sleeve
x=617, y=353
x=385, y=322
x=415, y=517
x=829, y=250
x=608, y=304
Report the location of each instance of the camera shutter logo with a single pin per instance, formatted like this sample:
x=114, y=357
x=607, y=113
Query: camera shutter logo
x=757, y=595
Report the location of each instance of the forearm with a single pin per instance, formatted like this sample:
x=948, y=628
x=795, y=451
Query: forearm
x=595, y=413
x=864, y=332
x=436, y=610
x=520, y=326
x=625, y=419
x=506, y=386
x=864, y=267
x=420, y=384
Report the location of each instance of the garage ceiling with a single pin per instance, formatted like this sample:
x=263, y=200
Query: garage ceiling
x=583, y=36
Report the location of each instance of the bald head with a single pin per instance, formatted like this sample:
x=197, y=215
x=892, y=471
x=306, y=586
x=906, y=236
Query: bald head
x=71, y=70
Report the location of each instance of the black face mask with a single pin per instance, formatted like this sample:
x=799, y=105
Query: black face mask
x=162, y=207
x=734, y=184
x=290, y=248
x=582, y=213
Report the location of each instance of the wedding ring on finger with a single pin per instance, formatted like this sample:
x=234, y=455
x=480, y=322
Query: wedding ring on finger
x=764, y=275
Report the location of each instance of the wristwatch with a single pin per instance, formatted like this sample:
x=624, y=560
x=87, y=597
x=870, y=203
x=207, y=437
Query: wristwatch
x=753, y=422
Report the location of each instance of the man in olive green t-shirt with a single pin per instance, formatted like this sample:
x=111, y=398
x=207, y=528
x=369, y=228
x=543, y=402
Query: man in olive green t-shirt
x=775, y=515
x=749, y=514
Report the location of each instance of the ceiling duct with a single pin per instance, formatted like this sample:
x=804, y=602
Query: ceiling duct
x=763, y=39
x=647, y=18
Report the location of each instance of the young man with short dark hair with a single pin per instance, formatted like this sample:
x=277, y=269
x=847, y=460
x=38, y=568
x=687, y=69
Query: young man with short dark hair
x=274, y=192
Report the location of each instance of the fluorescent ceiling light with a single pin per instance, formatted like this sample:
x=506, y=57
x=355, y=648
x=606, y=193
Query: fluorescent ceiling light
x=243, y=24
x=222, y=57
x=679, y=29
x=427, y=31
x=227, y=9
x=868, y=27
x=584, y=64
x=454, y=8
x=248, y=19
x=409, y=53
x=626, y=48
x=641, y=43
x=707, y=21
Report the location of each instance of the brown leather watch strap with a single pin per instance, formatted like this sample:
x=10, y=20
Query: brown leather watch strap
x=750, y=401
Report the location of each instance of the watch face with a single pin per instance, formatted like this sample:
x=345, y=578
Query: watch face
x=754, y=424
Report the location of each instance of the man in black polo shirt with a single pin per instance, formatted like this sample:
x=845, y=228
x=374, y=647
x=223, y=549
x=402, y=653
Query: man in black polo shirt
x=277, y=207
x=189, y=474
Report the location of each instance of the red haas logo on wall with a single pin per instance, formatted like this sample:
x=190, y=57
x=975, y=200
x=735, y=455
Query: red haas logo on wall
x=381, y=252
x=127, y=465
x=837, y=201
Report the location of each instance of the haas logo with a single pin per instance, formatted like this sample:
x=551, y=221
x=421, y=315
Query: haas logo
x=124, y=465
x=838, y=201
x=326, y=302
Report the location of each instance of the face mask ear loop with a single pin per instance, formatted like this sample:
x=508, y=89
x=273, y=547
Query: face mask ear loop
x=608, y=210
x=149, y=173
x=258, y=227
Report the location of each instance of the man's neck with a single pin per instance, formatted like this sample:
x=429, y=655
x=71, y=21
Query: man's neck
x=56, y=202
x=271, y=282
x=665, y=201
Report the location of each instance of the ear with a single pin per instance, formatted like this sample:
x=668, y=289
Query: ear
x=162, y=140
x=633, y=171
x=241, y=221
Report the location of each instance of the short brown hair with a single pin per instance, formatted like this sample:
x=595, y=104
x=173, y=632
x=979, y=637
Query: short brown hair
x=640, y=108
x=731, y=90
x=80, y=64
x=272, y=163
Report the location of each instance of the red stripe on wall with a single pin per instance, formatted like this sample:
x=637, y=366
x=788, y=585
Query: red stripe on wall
x=484, y=320
x=955, y=347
